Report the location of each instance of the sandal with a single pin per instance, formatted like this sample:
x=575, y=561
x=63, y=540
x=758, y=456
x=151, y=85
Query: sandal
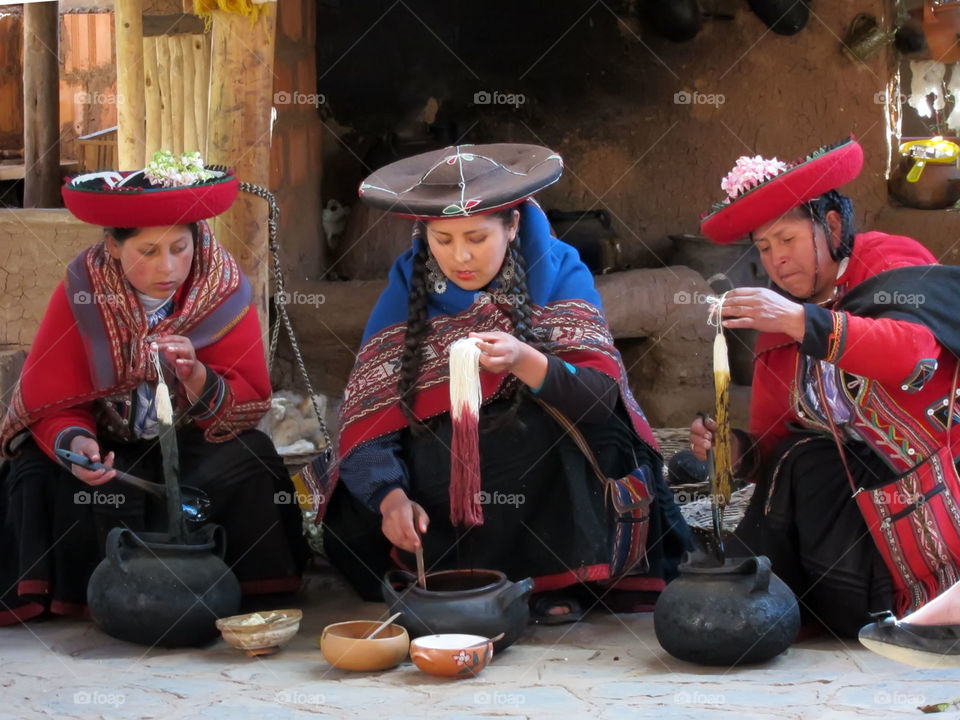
x=926, y=646
x=543, y=604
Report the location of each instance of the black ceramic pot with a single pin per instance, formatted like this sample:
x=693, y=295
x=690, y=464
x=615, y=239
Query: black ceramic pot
x=153, y=592
x=676, y=20
x=784, y=17
x=734, y=614
x=475, y=602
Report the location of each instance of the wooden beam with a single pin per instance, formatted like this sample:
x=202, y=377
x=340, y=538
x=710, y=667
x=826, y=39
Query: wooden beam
x=172, y=25
x=241, y=98
x=41, y=105
x=131, y=105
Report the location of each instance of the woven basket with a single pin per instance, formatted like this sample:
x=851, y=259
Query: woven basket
x=696, y=508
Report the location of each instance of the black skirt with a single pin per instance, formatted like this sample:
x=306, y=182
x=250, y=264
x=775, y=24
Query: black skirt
x=543, y=508
x=54, y=526
x=804, y=518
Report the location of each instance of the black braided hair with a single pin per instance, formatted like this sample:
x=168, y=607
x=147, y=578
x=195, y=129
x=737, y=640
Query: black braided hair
x=416, y=330
x=817, y=210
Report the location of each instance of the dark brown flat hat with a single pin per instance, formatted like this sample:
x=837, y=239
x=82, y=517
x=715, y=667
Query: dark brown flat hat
x=462, y=180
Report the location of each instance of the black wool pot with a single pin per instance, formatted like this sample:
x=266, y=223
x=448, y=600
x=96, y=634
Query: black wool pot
x=737, y=613
x=675, y=20
x=784, y=17
x=151, y=590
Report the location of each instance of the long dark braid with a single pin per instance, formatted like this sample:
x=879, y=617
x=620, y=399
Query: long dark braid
x=416, y=329
x=520, y=311
x=521, y=315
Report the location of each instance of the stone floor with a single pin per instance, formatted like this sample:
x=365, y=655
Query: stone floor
x=608, y=666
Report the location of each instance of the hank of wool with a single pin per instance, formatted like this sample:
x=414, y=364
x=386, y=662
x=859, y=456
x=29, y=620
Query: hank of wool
x=465, y=398
x=162, y=397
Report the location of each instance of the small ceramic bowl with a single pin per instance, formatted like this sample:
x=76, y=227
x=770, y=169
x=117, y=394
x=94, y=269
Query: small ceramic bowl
x=260, y=633
x=345, y=646
x=451, y=655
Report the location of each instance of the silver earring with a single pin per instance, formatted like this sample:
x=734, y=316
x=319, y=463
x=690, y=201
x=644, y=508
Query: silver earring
x=435, y=276
x=509, y=267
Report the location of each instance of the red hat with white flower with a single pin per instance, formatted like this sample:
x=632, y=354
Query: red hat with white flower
x=171, y=190
x=760, y=190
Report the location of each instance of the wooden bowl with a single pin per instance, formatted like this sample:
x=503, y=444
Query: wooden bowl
x=260, y=633
x=344, y=645
x=451, y=654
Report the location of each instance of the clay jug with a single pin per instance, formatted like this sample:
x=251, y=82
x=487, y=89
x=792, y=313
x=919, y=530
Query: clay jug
x=473, y=602
x=150, y=591
x=731, y=614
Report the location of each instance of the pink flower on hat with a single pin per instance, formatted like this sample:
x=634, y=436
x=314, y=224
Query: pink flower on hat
x=748, y=173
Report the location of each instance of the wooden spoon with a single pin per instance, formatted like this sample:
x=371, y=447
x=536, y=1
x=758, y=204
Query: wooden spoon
x=382, y=625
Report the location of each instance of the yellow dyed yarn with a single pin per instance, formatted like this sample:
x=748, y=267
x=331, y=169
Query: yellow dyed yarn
x=205, y=8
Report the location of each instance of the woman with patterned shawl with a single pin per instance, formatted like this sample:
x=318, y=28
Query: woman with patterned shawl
x=483, y=264
x=158, y=281
x=857, y=501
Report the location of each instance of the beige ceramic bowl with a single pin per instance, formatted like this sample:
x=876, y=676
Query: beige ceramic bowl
x=260, y=633
x=344, y=646
x=451, y=654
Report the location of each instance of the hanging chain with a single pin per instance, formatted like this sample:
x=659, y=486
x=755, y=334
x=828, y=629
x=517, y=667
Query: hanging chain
x=273, y=223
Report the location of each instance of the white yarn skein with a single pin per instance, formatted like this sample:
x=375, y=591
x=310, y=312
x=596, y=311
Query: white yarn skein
x=162, y=396
x=465, y=390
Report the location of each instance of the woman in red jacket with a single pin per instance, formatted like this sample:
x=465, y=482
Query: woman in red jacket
x=856, y=500
x=158, y=283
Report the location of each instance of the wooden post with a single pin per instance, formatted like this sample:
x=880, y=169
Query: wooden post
x=176, y=90
x=131, y=106
x=189, y=101
x=152, y=99
x=166, y=103
x=41, y=104
x=241, y=98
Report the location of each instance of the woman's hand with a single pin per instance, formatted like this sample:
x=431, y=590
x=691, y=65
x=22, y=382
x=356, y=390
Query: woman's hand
x=404, y=521
x=502, y=352
x=701, y=441
x=179, y=352
x=764, y=310
x=90, y=448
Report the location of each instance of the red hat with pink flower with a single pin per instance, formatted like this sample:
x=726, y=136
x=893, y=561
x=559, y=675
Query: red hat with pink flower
x=760, y=190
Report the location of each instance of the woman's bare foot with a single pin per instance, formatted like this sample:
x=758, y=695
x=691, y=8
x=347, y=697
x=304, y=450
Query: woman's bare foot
x=942, y=610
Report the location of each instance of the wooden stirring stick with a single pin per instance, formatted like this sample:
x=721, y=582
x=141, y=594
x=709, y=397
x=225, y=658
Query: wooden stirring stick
x=382, y=625
x=421, y=573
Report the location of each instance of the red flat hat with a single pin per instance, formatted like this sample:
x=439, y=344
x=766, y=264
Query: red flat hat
x=99, y=199
x=763, y=190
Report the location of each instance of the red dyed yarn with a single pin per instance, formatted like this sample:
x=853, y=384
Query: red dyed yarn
x=465, y=508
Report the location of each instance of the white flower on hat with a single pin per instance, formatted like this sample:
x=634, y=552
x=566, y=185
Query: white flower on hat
x=168, y=170
x=748, y=173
